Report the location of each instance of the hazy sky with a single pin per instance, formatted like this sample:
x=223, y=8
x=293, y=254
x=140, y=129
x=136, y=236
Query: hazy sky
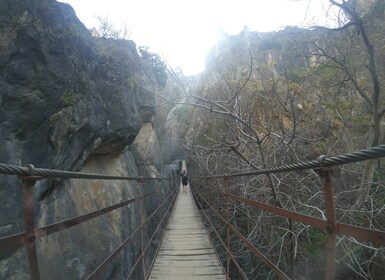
x=183, y=31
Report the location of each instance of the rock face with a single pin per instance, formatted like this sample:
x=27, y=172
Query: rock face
x=65, y=91
x=146, y=149
x=71, y=102
x=77, y=251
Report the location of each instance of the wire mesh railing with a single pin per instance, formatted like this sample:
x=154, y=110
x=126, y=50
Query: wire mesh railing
x=30, y=175
x=224, y=231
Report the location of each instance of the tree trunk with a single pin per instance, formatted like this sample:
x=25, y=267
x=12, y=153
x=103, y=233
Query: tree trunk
x=369, y=165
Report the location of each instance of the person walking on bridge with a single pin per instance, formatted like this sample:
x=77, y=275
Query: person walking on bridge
x=184, y=180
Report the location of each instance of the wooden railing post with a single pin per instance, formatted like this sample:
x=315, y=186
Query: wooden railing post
x=29, y=225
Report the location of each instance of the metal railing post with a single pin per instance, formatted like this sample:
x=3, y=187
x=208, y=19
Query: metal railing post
x=227, y=210
x=173, y=179
x=29, y=225
x=326, y=172
x=140, y=182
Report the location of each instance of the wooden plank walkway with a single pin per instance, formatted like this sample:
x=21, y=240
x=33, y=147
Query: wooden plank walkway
x=186, y=251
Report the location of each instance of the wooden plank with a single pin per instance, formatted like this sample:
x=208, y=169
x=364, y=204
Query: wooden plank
x=186, y=251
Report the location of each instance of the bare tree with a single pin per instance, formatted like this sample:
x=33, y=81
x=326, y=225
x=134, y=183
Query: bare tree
x=250, y=112
x=106, y=29
x=358, y=63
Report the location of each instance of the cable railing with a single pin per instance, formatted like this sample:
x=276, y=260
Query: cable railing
x=30, y=175
x=330, y=224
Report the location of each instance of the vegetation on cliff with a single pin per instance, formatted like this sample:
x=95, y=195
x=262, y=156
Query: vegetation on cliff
x=269, y=99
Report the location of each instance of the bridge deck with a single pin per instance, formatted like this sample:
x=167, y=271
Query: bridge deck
x=186, y=251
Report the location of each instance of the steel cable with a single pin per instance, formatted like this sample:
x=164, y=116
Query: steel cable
x=323, y=161
x=46, y=173
x=366, y=154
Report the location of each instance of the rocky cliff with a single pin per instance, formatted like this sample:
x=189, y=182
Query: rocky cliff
x=69, y=101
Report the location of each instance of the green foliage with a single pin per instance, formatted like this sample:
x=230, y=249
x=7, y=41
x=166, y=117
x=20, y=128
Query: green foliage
x=316, y=241
x=4, y=11
x=270, y=44
x=104, y=49
x=379, y=199
x=378, y=8
x=379, y=178
x=75, y=30
x=158, y=66
x=297, y=75
x=69, y=98
x=328, y=73
x=379, y=175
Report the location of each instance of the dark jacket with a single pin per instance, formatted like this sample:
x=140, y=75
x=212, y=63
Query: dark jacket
x=184, y=178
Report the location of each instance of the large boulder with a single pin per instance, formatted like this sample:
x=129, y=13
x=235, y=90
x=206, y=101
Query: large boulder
x=63, y=94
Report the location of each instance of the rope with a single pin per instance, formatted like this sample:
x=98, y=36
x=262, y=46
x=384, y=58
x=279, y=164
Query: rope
x=323, y=161
x=50, y=173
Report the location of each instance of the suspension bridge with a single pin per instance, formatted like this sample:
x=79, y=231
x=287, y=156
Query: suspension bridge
x=193, y=246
